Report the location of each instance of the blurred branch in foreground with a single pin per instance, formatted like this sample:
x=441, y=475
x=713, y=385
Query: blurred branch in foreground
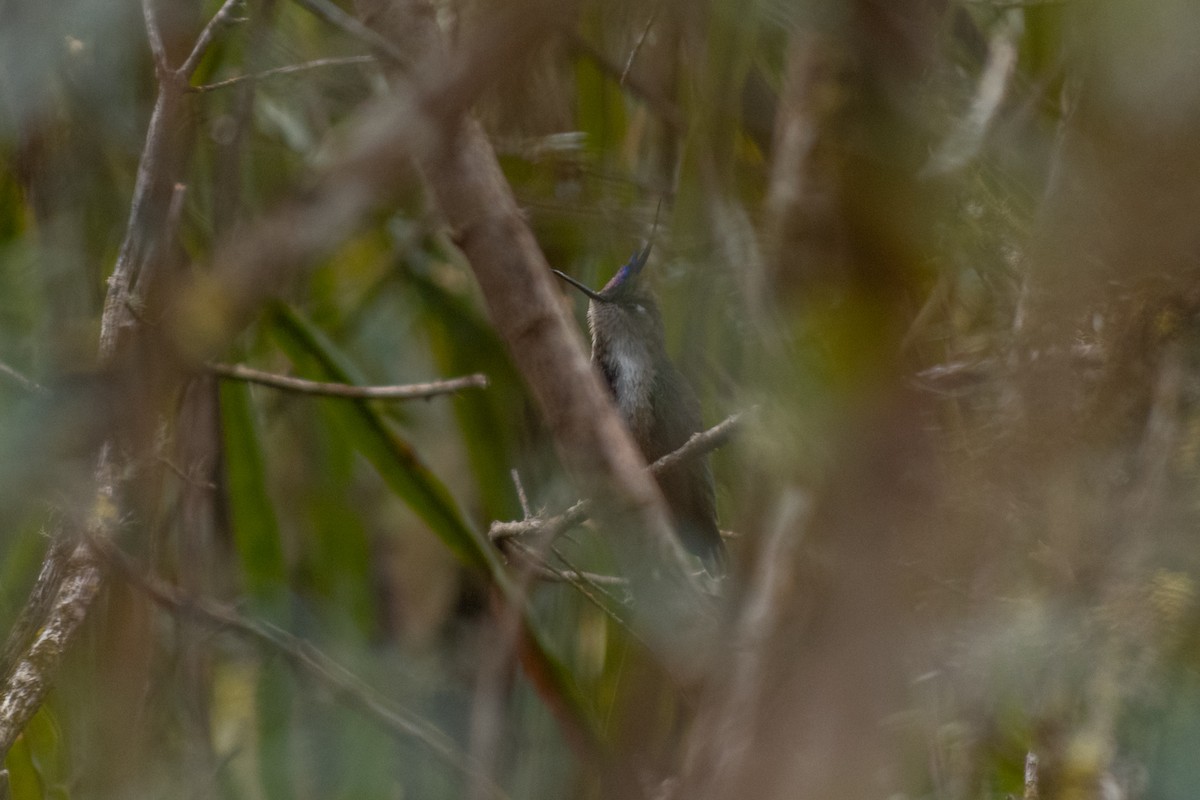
x=74, y=584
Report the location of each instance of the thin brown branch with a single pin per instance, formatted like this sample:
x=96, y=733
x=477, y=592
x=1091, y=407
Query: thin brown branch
x=411, y=391
x=637, y=46
x=666, y=110
x=289, y=69
x=139, y=229
x=302, y=656
x=223, y=17
x=700, y=444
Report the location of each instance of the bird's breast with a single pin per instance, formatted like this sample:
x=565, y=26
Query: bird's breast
x=630, y=373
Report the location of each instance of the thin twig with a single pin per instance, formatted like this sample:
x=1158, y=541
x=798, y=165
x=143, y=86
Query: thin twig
x=347, y=24
x=637, y=46
x=20, y=379
x=592, y=579
x=547, y=571
x=521, y=496
x=116, y=315
x=302, y=656
x=45, y=589
x=285, y=70
x=663, y=106
x=543, y=568
x=224, y=16
x=700, y=444
x=412, y=391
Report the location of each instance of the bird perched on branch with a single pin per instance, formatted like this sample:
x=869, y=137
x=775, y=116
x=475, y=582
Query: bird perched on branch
x=657, y=404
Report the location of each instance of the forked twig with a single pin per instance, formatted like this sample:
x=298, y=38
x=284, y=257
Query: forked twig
x=699, y=445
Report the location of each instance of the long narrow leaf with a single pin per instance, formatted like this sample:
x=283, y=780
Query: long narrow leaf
x=408, y=476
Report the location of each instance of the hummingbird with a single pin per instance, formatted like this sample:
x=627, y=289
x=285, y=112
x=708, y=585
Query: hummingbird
x=656, y=402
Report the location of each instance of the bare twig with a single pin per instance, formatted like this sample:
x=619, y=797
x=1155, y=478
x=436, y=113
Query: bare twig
x=637, y=46
x=548, y=572
x=411, y=391
x=224, y=16
x=20, y=379
x=347, y=24
x=289, y=69
x=698, y=445
x=302, y=656
x=663, y=106
x=555, y=525
x=521, y=496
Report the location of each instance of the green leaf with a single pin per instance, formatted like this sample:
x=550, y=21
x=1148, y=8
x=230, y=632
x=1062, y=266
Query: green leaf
x=463, y=343
x=255, y=529
x=264, y=569
x=397, y=463
x=402, y=469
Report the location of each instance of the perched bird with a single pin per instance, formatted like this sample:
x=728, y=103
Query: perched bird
x=658, y=405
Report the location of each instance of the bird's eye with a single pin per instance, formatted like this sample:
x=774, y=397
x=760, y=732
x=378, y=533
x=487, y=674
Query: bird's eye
x=641, y=309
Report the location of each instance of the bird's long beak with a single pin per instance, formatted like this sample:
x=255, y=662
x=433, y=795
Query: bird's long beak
x=589, y=292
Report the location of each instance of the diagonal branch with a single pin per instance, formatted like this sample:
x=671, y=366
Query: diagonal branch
x=223, y=17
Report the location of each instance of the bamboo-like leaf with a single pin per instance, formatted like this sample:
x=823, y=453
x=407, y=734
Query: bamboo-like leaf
x=403, y=471
x=463, y=343
x=255, y=529
x=256, y=537
x=35, y=763
x=398, y=464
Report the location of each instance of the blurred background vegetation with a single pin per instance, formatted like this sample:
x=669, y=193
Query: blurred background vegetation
x=946, y=250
